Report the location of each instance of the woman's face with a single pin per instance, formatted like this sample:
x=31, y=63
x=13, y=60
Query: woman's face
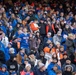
x=61, y=49
x=28, y=68
x=3, y=69
x=68, y=69
x=55, y=55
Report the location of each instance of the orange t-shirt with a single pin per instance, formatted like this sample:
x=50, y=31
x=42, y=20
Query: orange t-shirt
x=34, y=27
x=46, y=50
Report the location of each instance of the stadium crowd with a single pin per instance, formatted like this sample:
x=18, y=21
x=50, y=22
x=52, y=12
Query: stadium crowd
x=38, y=38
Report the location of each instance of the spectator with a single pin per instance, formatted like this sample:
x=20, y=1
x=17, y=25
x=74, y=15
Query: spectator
x=41, y=70
x=48, y=37
x=2, y=58
x=38, y=31
x=4, y=70
x=65, y=56
x=57, y=38
x=22, y=66
x=59, y=72
x=68, y=62
x=70, y=44
x=5, y=40
x=52, y=64
x=68, y=70
x=42, y=27
x=12, y=65
x=23, y=39
x=21, y=56
x=34, y=26
x=27, y=70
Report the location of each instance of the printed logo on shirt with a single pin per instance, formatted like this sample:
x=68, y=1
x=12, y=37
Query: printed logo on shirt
x=12, y=66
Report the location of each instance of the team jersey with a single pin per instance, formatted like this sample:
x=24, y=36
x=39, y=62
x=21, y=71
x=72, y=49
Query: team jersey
x=24, y=40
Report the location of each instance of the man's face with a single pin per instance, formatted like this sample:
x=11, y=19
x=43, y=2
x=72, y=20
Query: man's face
x=43, y=68
x=55, y=68
x=68, y=61
x=42, y=21
x=61, y=6
x=22, y=51
x=58, y=45
x=12, y=15
x=38, y=13
x=32, y=55
x=30, y=12
x=65, y=56
x=62, y=14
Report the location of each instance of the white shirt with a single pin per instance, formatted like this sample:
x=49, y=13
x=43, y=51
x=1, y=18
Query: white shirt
x=5, y=41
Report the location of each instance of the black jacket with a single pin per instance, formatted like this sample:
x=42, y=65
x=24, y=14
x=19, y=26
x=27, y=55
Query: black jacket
x=12, y=65
x=21, y=68
x=2, y=57
x=10, y=34
x=67, y=73
x=42, y=28
x=38, y=72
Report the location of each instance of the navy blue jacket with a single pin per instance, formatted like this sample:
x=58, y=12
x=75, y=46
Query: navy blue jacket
x=38, y=72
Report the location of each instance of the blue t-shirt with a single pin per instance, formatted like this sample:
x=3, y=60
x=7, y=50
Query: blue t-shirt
x=24, y=40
